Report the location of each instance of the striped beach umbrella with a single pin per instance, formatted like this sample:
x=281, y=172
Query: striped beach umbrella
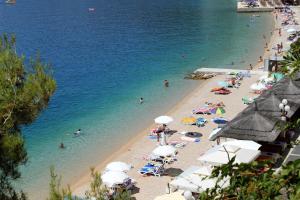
x=220, y=111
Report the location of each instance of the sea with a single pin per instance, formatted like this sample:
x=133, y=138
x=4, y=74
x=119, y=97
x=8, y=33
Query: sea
x=107, y=54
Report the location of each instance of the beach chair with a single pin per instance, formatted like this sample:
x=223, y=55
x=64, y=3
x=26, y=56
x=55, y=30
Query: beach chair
x=201, y=122
x=152, y=169
x=247, y=100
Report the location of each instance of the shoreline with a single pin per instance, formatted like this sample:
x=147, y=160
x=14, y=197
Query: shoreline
x=78, y=186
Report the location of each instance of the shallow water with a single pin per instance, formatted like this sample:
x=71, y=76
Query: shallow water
x=105, y=60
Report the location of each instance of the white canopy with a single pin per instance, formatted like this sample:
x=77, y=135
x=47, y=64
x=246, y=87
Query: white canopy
x=245, y=144
x=257, y=86
x=213, y=133
x=163, y=120
x=164, y=151
x=118, y=166
x=218, y=155
x=192, y=181
x=112, y=178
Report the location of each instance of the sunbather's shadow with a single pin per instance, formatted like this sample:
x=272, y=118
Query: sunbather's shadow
x=193, y=134
x=173, y=172
x=170, y=132
x=134, y=190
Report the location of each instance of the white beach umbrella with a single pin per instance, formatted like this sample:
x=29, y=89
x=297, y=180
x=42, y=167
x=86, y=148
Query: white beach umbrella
x=163, y=120
x=219, y=156
x=118, y=166
x=112, y=178
x=257, y=86
x=213, y=133
x=192, y=181
x=245, y=144
x=291, y=30
x=164, y=151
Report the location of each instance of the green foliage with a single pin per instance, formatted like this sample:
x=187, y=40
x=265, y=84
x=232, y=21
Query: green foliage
x=291, y=63
x=96, y=187
x=25, y=91
x=55, y=191
x=97, y=190
x=255, y=181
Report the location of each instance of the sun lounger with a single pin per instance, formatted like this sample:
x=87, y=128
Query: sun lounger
x=152, y=169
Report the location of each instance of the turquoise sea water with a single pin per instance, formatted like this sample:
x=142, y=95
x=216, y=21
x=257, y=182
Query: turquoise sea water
x=105, y=60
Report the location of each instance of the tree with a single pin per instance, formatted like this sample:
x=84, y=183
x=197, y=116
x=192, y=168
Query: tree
x=25, y=90
x=291, y=62
x=97, y=190
x=256, y=181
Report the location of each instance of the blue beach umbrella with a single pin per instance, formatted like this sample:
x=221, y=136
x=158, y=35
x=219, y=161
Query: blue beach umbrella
x=219, y=120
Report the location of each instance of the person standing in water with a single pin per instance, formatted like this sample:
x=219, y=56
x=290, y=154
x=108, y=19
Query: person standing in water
x=166, y=83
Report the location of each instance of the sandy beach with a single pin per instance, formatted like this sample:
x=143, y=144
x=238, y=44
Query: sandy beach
x=139, y=147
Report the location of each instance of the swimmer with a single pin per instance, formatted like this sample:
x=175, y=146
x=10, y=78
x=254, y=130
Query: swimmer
x=77, y=133
x=141, y=100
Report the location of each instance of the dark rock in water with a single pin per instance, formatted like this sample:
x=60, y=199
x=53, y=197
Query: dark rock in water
x=199, y=76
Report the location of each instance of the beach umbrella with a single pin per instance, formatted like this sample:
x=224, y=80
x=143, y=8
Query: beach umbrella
x=112, y=178
x=257, y=86
x=213, y=110
x=213, y=133
x=287, y=87
x=278, y=76
x=163, y=120
x=268, y=105
x=223, y=84
x=251, y=125
x=291, y=30
x=171, y=196
x=245, y=144
x=118, y=166
x=219, y=120
x=189, y=120
x=164, y=151
x=220, y=111
x=221, y=154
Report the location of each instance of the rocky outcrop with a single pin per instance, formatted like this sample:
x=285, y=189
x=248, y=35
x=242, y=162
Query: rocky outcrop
x=199, y=76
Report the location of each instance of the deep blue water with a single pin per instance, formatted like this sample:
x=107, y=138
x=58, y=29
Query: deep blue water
x=105, y=60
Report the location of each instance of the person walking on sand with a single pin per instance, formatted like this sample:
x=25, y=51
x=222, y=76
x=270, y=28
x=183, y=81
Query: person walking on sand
x=159, y=130
x=250, y=67
x=141, y=100
x=166, y=83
